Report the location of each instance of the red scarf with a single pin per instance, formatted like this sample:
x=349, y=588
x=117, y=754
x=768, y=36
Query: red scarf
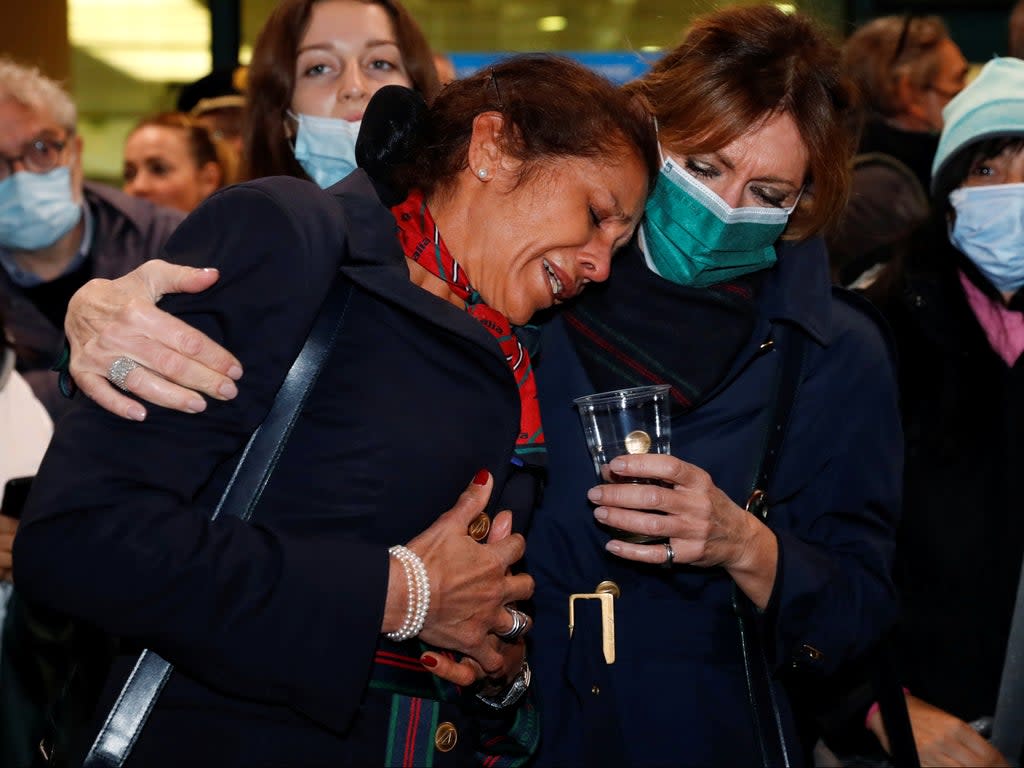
x=422, y=243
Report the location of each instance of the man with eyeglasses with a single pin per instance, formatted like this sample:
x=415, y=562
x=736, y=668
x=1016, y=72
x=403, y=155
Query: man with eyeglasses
x=907, y=68
x=57, y=231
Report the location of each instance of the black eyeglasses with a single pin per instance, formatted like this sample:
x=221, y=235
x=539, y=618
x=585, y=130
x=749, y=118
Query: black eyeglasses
x=38, y=156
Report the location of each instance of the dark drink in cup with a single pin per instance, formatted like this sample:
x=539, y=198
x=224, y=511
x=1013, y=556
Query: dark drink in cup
x=625, y=421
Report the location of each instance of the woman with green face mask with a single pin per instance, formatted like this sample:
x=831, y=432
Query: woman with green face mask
x=723, y=283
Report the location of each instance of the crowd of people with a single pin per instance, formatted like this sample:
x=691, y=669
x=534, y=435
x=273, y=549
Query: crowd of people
x=841, y=483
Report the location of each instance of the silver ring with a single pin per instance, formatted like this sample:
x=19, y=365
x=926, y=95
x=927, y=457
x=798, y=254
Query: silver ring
x=519, y=624
x=670, y=556
x=119, y=370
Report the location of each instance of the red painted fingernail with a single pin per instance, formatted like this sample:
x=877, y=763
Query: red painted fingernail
x=480, y=478
x=428, y=661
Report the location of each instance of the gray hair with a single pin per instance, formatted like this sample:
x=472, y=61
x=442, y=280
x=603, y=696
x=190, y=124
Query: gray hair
x=31, y=88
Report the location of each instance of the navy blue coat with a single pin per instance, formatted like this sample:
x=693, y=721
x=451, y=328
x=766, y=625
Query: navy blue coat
x=676, y=691
x=273, y=627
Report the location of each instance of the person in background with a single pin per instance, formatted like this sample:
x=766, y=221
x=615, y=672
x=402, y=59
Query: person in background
x=445, y=68
x=25, y=432
x=171, y=160
x=952, y=295
x=217, y=101
x=57, y=231
x=26, y=429
x=1016, y=37
x=315, y=65
x=298, y=640
x=907, y=68
x=750, y=111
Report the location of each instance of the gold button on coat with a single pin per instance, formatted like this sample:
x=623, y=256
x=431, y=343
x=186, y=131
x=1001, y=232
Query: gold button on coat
x=608, y=588
x=445, y=737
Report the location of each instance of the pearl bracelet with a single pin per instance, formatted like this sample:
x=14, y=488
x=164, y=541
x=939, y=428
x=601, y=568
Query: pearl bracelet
x=418, y=589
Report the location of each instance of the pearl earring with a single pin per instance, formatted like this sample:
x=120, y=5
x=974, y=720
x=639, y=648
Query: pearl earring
x=482, y=173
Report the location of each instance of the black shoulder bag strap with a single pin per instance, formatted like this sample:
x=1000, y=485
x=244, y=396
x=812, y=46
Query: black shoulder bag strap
x=1008, y=724
x=129, y=713
x=790, y=343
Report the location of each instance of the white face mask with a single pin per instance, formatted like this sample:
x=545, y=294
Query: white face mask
x=326, y=148
x=989, y=230
x=37, y=209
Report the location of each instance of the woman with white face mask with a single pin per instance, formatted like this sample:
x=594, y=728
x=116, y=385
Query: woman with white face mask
x=314, y=68
x=953, y=298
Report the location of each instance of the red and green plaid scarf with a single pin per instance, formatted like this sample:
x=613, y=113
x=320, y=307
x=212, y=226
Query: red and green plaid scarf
x=422, y=243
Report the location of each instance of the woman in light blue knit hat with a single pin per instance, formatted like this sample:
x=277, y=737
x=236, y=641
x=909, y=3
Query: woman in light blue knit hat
x=955, y=303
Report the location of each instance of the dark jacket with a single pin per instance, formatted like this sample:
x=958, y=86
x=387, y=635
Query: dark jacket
x=888, y=197
x=126, y=232
x=274, y=627
x=676, y=689
x=962, y=535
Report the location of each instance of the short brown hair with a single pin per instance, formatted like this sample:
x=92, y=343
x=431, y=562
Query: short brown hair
x=885, y=49
x=740, y=66
x=552, y=108
x=271, y=81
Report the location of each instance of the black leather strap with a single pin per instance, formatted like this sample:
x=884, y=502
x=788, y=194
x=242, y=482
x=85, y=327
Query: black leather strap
x=129, y=713
x=790, y=343
x=1008, y=722
x=892, y=703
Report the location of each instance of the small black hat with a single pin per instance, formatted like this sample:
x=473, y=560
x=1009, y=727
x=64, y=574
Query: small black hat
x=221, y=88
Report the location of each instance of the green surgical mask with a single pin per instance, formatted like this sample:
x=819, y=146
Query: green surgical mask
x=693, y=237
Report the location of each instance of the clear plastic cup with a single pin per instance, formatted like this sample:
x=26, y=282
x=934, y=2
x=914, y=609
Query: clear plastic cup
x=625, y=421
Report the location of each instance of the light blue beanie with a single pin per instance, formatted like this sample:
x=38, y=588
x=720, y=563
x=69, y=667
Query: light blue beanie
x=991, y=106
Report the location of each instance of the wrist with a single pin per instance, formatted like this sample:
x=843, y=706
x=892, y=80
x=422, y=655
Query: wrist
x=754, y=568
x=406, y=565
x=512, y=693
x=747, y=546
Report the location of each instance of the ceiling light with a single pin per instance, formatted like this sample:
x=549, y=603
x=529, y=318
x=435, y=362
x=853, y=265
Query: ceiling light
x=157, y=40
x=552, y=23
x=786, y=7
x=650, y=48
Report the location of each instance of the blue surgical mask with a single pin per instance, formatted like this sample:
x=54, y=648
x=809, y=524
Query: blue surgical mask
x=989, y=230
x=36, y=209
x=326, y=148
x=693, y=237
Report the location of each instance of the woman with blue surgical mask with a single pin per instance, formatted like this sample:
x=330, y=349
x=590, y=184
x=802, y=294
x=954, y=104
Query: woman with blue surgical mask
x=315, y=66
x=952, y=295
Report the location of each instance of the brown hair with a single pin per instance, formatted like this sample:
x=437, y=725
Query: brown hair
x=1017, y=30
x=271, y=81
x=203, y=148
x=740, y=66
x=552, y=108
x=878, y=54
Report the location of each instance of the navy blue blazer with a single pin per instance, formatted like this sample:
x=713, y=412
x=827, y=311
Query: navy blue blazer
x=677, y=690
x=273, y=627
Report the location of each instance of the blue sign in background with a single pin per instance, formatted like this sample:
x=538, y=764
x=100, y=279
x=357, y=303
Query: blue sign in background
x=619, y=67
